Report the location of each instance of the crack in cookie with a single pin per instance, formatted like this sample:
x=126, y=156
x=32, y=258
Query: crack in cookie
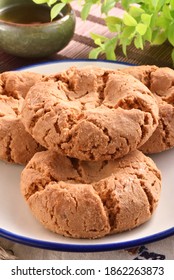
x=86, y=199
x=90, y=119
x=161, y=83
x=8, y=148
x=16, y=145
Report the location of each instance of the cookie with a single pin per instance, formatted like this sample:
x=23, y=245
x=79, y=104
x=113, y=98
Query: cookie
x=16, y=145
x=161, y=83
x=87, y=199
x=90, y=113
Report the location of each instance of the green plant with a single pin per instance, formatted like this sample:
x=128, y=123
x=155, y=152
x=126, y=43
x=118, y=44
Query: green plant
x=56, y=6
x=149, y=21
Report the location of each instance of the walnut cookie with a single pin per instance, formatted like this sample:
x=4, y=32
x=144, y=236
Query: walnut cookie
x=161, y=83
x=91, y=199
x=90, y=113
x=16, y=145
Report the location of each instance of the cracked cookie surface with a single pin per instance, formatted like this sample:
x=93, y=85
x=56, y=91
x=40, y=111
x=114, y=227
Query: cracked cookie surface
x=161, y=83
x=90, y=113
x=16, y=145
x=87, y=199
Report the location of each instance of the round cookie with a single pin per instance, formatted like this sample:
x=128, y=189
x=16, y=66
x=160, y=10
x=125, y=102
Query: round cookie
x=87, y=199
x=16, y=145
x=90, y=113
x=161, y=82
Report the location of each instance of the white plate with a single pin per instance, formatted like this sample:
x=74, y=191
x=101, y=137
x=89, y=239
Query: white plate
x=18, y=224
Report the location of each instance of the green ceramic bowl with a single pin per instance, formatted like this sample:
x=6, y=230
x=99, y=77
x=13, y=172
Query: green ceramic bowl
x=26, y=29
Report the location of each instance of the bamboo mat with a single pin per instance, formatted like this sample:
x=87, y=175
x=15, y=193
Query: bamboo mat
x=81, y=44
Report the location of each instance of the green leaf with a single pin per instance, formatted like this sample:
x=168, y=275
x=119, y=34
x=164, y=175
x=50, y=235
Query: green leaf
x=154, y=18
x=56, y=10
x=172, y=4
x=126, y=3
x=85, y=11
x=135, y=11
x=160, y=38
x=162, y=22
x=107, y=6
x=94, y=53
x=129, y=20
x=138, y=42
x=141, y=28
x=98, y=37
x=98, y=42
x=155, y=3
x=167, y=12
x=110, y=54
x=113, y=23
x=124, y=44
x=91, y=1
x=170, y=34
x=146, y=19
x=154, y=34
x=40, y=1
x=161, y=4
x=109, y=48
x=148, y=35
x=128, y=32
x=113, y=20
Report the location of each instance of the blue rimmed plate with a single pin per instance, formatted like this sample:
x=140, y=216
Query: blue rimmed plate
x=18, y=224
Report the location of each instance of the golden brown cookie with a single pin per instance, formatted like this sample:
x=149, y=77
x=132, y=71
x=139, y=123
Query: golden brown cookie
x=161, y=82
x=85, y=199
x=16, y=145
x=90, y=113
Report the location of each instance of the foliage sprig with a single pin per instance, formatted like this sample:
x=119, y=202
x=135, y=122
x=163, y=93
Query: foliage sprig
x=149, y=21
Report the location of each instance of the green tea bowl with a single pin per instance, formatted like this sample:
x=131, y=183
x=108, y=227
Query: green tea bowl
x=27, y=31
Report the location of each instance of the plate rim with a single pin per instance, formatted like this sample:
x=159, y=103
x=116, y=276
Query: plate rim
x=81, y=247
x=56, y=246
x=54, y=61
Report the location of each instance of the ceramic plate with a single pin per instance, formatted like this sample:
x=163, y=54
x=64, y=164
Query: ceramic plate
x=18, y=224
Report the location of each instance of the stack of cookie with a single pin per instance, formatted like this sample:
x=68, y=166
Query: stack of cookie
x=161, y=82
x=92, y=180
x=16, y=145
